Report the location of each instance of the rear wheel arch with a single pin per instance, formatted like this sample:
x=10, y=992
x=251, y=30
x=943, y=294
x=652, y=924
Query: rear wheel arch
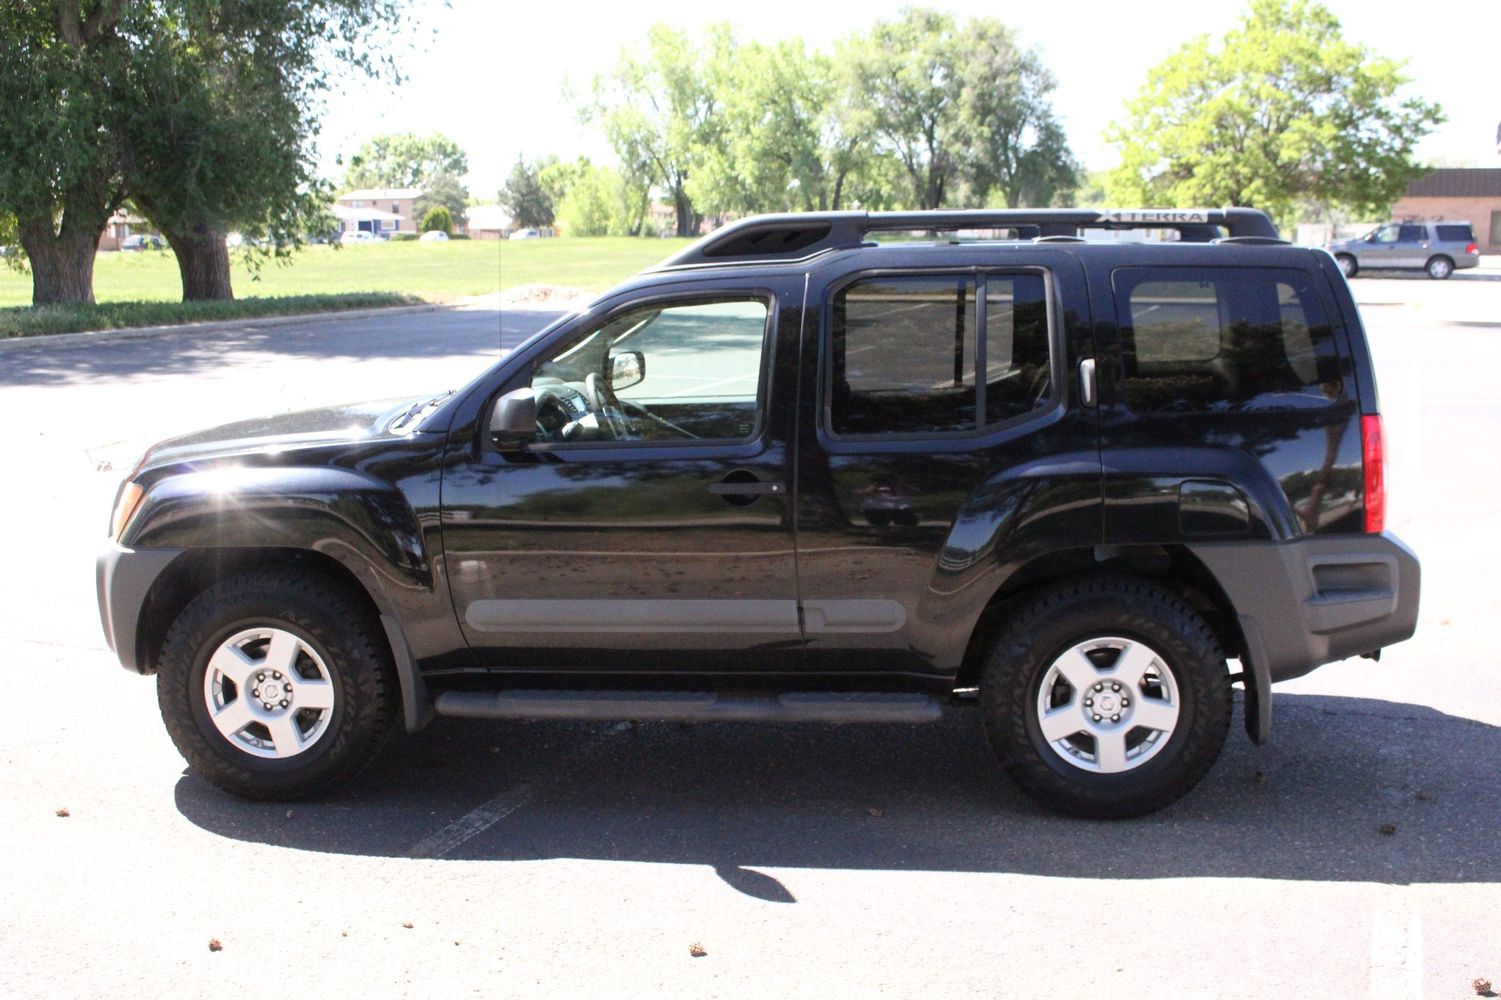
x=1172, y=567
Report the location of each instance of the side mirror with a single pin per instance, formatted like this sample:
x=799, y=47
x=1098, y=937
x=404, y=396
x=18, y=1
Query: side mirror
x=627, y=369
x=513, y=421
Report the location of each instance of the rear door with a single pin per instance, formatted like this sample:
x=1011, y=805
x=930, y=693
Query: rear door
x=941, y=445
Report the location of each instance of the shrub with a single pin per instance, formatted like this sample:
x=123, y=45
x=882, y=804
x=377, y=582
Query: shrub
x=437, y=217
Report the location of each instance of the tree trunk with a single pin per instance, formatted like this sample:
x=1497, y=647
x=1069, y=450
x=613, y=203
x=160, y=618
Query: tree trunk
x=203, y=262
x=62, y=261
x=687, y=220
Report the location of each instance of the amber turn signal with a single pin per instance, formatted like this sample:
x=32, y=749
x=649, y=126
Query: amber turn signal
x=125, y=508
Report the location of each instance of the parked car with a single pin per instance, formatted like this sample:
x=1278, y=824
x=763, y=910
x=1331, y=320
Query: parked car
x=794, y=475
x=435, y=236
x=525, y=234
x=355, y=236
x=1436, y=247
x=142, y=241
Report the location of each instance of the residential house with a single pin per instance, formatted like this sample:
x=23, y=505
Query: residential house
x=487, y=222
x=119, y=226
x=381, y=211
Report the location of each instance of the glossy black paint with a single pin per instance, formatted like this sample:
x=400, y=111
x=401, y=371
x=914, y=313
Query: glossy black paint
x=872, y=564
x=1300, y=469
x=337, y=481
x=939, y=522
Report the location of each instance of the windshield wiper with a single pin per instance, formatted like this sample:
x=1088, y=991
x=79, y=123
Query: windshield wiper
x=419, y=407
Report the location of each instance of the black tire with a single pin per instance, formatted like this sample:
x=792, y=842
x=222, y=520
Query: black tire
x=1083, y=611
x=329, y=624
x=1439, y=268
x=1347, y=264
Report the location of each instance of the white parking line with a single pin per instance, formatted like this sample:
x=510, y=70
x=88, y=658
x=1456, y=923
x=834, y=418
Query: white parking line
x=473, y=823
x=487, y=814
x=1396, y=950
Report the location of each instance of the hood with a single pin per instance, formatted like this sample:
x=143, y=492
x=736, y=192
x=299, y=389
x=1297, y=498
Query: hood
x=348, y=423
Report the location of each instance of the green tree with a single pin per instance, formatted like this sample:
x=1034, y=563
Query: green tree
x=199, y=112
x=791, y=135
x=61, y=152
x=660, y=114
x=221, y=118
x=434, y=164
x=905, y=70
x=962, y=108
x=1016, y=150
x=405, y=160
x=438, y=218
x=525, y=198
x=591, y=199
x=1282, y=111
x=443, y=190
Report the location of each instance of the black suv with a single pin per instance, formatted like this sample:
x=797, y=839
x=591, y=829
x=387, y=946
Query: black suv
x=795, y=474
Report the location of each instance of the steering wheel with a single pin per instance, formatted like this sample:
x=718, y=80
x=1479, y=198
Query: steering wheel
x=603, y=402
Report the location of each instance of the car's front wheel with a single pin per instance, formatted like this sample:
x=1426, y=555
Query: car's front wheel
x=1106, y=697
x=275, y=686
x=1346, y=264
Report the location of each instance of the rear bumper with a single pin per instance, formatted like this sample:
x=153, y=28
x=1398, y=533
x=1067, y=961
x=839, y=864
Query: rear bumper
x=1315, y=600
x=123, y=578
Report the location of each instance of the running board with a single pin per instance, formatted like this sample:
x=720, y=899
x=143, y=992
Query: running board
x=691, y=706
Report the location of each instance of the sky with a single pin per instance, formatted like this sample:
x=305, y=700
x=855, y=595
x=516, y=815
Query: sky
x=494, y=76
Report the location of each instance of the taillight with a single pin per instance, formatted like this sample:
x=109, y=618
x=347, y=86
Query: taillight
x=1472, y=248
x=1374, y=457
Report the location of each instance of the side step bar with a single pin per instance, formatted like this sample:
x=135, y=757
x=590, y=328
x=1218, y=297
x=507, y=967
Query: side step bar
x=691, y=706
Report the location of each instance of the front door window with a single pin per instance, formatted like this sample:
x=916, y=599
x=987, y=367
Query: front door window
x=656, y=373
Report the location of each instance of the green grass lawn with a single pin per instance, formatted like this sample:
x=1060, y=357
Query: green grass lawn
x=143, y=289
x=592, y=264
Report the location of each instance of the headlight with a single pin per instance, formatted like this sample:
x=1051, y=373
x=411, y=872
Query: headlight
x=126, y=503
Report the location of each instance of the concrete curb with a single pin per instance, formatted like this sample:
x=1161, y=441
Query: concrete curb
x=54, y=340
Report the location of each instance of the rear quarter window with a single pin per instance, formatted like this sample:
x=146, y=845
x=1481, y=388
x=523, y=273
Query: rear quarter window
x=1456, y=234
x=1223, y=339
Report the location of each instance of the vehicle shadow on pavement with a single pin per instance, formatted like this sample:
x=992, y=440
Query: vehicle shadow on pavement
x=438, y=333
x=1349, y=790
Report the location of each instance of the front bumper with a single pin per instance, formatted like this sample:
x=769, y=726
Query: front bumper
x=1315, y=600
x=124, y=577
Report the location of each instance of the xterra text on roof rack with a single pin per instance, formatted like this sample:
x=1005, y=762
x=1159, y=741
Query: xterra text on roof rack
x=796, y=475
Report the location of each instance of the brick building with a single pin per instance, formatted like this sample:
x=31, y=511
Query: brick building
x=381, y=211
x=1460, y=195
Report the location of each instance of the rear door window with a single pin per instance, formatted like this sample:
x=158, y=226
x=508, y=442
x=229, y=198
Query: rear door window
x=1221, y=339
x=906, y=353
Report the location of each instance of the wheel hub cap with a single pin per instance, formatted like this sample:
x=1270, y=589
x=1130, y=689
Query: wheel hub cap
x=268, y=692
x=1108, y=704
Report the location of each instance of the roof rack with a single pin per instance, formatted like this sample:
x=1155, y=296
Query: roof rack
x=799, y=236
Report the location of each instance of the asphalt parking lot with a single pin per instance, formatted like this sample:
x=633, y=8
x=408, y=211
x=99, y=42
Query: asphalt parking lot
x=1355, y=856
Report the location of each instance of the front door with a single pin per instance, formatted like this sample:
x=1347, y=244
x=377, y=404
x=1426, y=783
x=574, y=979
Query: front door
x=647, y=527
x=943, y=446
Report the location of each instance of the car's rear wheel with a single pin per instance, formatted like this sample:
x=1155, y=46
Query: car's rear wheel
x=1106, y=697
x=1439, y=268
x=1347, y=264
x=276, y=687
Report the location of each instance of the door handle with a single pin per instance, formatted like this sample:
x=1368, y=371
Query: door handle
x=1087, y=389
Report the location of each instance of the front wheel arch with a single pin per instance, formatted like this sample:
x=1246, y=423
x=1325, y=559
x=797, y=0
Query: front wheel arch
x=198, y=569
